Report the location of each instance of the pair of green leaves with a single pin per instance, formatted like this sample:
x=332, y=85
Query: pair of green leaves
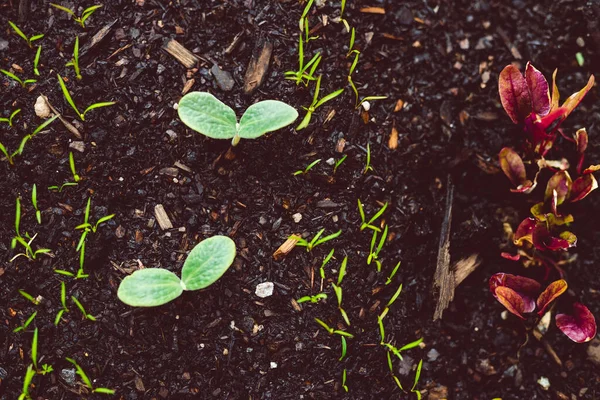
x=205, y=264
x=207, y=115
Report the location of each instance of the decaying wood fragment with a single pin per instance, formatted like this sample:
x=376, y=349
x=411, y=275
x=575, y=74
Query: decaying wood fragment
x=372, y=10
x=66, y=123
x=181, y=54
x=285, y=248
x=464, y=267
x=188, y=85
x=393, y=141
x=258, y=66
x=162, y=217
x=234, y=43
x=97, y=38
x=23, y=10
x=444, y=278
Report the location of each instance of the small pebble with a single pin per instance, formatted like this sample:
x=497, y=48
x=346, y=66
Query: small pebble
x=544, y=383
x=297, y=217
x=433, y=355
x=68, y=375
x=264, y=289
x=273, y=365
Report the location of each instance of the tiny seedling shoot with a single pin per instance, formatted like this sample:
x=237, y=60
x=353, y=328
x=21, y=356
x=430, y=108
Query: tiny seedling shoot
x=72, y=103
x=9, y=120
x=316, y=103
x=207, y=115
x=206, y=263
x=84, y=15
x=19, y=32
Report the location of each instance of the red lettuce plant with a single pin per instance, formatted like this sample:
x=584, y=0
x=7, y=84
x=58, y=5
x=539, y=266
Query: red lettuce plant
x=542, y=238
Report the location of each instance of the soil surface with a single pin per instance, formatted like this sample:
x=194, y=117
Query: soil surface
x=441, y=59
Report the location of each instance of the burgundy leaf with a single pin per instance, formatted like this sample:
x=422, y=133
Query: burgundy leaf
x=574, y=100
x=569, y=237
x=579, y=327
x=581, y=138
x=543, y=240
x=551, y=293
x=508, y=256
x=561, y=183
x=582, y=186
x=514, y=302
x=591, y=168
x=512, y=166
x=542, y=130
x=538, y=90
x=514, y=94
x=524, y=231
x=516, y=293
x=526, y=286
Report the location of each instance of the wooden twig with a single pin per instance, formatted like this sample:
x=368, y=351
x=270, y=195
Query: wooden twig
x=444, y=277
x=181, y=54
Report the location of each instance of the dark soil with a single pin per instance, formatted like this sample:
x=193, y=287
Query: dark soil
x=441, y=58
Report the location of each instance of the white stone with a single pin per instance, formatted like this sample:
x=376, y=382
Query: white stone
x=41, y=108
x=297, y=217
x=544, y=383
x=264, y=289
x=273, y=365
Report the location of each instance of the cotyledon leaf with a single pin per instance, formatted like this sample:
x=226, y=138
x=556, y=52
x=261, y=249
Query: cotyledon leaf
x=207, y=262
x=265, y=116
x=206, y=114
x=150, y=287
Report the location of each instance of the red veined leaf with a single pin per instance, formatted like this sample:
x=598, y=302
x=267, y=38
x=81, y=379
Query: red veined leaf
x=524, y=231
x=569, y=237
x=542, y=129
x=561, y=183
x=574, y=100
x=514, y=94
x=582, y=186
x=543, y=240
x=511, y=257
x=580, y=327
x=516, y=293
x=552, y=292
x=591, y=168
x=538, y=90
x=514, y=302
x=512, y=166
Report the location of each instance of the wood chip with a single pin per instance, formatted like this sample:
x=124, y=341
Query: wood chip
x=180, y=53
x=285, y=248
x=393, y=141
x=339, y=147
x=188, y=85
x=464, y=267
x=97, y=38
x=162, y=217
x=296, y=306
x=181, y=166
x=443, y=278
x=258, y=66
x=399, y=105
x=373, y=10
x=234, y=43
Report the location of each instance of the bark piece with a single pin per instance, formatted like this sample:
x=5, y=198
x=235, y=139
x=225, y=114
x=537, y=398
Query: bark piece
x=23, y=10
x=162, y=217
x=180, y=53
x=97, y=38
x=285, y=248
x=258, y=67
x=444, y=278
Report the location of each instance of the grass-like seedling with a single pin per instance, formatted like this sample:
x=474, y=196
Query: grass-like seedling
x=308, y=168
x=36, y=61
x=364, y=224
x=14, y=241
x=11, y=156
x=339, y=162
x=338, y=294
x=344, y=348
x=22, y=82
x=207, y=115
x=82, y=309
x=344, y=380
x=316, y=103
x=69, y=99
x=368, y=166
x=38, y=213
x=316, y=240
x=322, y=268
x=34, y=349
x=87, y=381
x=84, y=15
x=206, y=263
x=393, y=273
x=63, y=302
x=19, y=32
x=342, y=272
x=374, y=251
x=9, y=120
x=86, y=227
x=304, y=74
x=76, y=177
x=332, y=331
x=313, y=299
x=29, y=374
x=351, y=49
x=29, y=297
x=342, y=8
x=29, y=252
x=75, y=60
x=26, y=324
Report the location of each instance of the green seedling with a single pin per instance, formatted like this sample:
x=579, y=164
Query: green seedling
x=82, y=309
x=368, y=166
x=344, y=380
x=46, y=369
x=76, y=177
x=15, y=240
x=9, y=120
x=374, y=251
x=389, y=278
x=61, y=187
x=80, y=273
x=332, y=331
x=19, y=32
x=579, y=58
x=309, y=4
x=351, y=49
x=36, y=61
x=207, y=115
x=342, y=8
x=342, y=272
x=315, y=240
x=316, y=103
x=313, y=299
x=75, y=60
x=307, y=36
x=364, y=225
x=338, y=294
x=29, y=252
x=87, y=381
x=26, y=324
x=369, y=98
x=29, y=374
x=87, y=227
x=63, y=302
x=38, y=213
x=344, y=348
x=11, y=156
x=206, y=263
x=350, y=72
x=69, y=99
x=308, y=168
x=22, y=82
x=416, y=381
x=339, y=162
x=304, y=74
x=84, y=15
x=322, y=269
x=34, y=349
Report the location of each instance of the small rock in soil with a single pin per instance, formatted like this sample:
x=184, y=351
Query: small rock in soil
x=264, y=289
x=438, y=393
x=544, y=383
x=433, y=355
x=41, y=107
x=3, y=44
x=593, y=351
x=485, y=367
x=405, y=366
x=77, y=145
x=405, y=16
x=297, y=217
x=68, y=375
x=224, y=79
